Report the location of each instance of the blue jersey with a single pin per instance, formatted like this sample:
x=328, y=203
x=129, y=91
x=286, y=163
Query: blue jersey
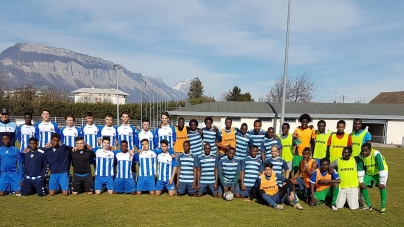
x=279, y=166
x=230, y=167
x=195, y=139
x=313, y=178
x=58, y=158
x=207, y=166
x=166, y=133
x=10, y=160
x=90, y=134
x=242, y=146
x=256, y=138
x=104, y=163
x=44, y=130
x=110, y=132
x=69, y=135
x=127, y=132
x=34, y=163
x=151, y=136
x=252, y=168
x=267, y=144
x=166, y=164
x=187, y=163
x=124, y=165
x=24, y=133
x=8, y=127
x=147, y=164
x=209, y=136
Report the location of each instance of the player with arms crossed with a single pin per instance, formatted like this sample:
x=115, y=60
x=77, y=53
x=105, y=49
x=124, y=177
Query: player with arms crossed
x=207, y=172
x=82, y=178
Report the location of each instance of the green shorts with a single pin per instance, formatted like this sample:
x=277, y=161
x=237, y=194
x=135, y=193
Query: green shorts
x=322, y=195
x=370, y=180
x=296, y=162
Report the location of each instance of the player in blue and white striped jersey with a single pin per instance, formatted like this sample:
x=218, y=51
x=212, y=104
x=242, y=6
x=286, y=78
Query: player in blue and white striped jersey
x=70, y=132
x=90, y=131
x=195, y=138
x=251, y=168
x=242, y=143
x=166, y=131
x=146, y=133
x=257, y=136
x=228, y=172
x=124, y=182
x=104, y=171
x=25, y=131
x=269, y=141
x=166, y=169
x=147, y=169
x=207, y=172
x=109, y=131
x=126, y=131
x=187, y=172
x=209, y=135
x=45, y=128
x=279, y=165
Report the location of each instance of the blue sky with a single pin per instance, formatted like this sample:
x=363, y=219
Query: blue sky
x=351, y=48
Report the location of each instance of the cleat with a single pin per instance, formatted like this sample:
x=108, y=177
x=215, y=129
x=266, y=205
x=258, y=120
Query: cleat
x=366, y=207
x=298, y=206
x=383, y=211
x=279, y=207
x=334, y=207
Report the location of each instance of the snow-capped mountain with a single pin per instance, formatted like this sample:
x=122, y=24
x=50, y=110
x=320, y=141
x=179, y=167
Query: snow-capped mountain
x=183, y=86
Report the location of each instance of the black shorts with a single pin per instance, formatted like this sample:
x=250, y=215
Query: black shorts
x=79, y=183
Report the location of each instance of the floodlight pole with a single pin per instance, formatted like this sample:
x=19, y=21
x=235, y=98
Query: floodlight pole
x=117, y=67
x=285, y=68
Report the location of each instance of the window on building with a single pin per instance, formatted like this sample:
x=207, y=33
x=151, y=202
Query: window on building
x=265, y=119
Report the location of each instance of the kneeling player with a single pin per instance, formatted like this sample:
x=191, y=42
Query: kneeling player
x=81, y=158
x=229, y=172
x=11, y=171
x=187, y=172
x=207, y=172
x=147, y=169
x=34, y=169
x=251, y=169
x=104, y=172
x=167, y=169
x=124, y=182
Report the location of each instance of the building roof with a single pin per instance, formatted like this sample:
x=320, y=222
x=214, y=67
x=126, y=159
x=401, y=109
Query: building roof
x=99, y=91
x=395, y=97
x=294, y=110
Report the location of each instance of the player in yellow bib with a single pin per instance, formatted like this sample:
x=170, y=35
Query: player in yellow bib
x=303, y=137
x=287, y=145
x=226, y=137
x=338, y=141
x=320, y=141
x=181, y=136
x=359, y=137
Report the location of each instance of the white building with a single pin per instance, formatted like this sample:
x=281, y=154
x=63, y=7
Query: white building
x=92, y=95
x=384, y=121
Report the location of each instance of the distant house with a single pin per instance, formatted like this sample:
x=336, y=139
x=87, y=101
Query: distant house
x=394, y=97
x=93, y=95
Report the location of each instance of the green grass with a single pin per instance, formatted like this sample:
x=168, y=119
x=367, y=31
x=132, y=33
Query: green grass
x=146, y=210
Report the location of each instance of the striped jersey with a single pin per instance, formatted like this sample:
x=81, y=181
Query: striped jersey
x=90, y=134
x=24, y=133
x=126, y=132
x=229, y=168
x=151, y=136
x=209, y=136
x=252, y=168
x=165, y=166
x=279, y=166
x=108, y=131
x=44, y=130
x=147, y=164
x=187, y=163
x=256, y=138
x=242, y=146
x=124, y=165
x=69, y=135
x=207, y=165
x=104, y=163
x=267, y=144
x=195, y=139
x=166, y=133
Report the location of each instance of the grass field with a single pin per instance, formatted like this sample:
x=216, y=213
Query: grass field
x=146, y=210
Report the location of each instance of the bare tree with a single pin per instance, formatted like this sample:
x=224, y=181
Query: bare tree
x=223, y=96
x=54, y=93
x=300, y=88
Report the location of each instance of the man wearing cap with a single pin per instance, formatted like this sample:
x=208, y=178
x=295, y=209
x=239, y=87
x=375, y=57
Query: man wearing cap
x=7, y=127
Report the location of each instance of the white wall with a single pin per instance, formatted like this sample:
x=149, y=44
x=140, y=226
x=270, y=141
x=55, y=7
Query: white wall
x=395, y=132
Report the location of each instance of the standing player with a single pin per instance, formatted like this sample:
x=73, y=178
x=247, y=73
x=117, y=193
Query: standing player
x=207, y=172
x=287, y=146
x=251, y=169
x=303, y=137
x=257, y=136
x=187, y=172
x=359, y=137
x=226, y=137
x=195, y=138
x=34, y=169
x=124, y=182
x=25, y=131
x=376, y=173
x=146, y=133
x=269, y=142
x=109, y=131
x=45, y=128
x=181, y=134
x=7, y=127
x=279, y=165
x=81, y=158
x=126, y=131
x=166, y=131
x=242, y=142
x=147, y=169
x=320, y=142
x=338, y=141
x=70, y=132
x=10, y=166
x=166, y=170
x=90, y=132
x=104, y=171
x=209, y=135
x=228, y=172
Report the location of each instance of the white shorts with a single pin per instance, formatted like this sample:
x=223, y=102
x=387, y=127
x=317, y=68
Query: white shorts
x=349, y=195
x=290, y=165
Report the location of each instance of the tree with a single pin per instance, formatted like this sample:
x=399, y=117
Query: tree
x=236, y=95
x=195, y=89
x=298, y=89
x=223, y=96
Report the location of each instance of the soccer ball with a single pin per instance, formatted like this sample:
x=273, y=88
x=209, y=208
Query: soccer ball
x=228, y=196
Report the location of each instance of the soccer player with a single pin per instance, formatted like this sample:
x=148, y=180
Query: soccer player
x=146, y=133
x=376, y=173
x=226, y=137
x=195, y=138
x=181, y=134
x=82, y=178
x=359, y=137
x=228, y=172
x=270, y=191
x=126, y=131
x=147, y=169
x=287, y=146
x=34, y=169
x=322, y=181
x=349, y=177
x=242, y=142
x=279, y=165
x=45, y=128
x=109, y=131
x=209, y=135
x=10, y=166
x=207, y=172
x=166, y=170
x=303, y=137
x=7, y=127
x=70, y=132
x=90, y=132
x=25, y=131
x=166, y=131
x=251, y=169
x=257, y=136
x=337, y=141
x=269, y=142
x=187, y=172
x=320, y=141
x=104, y=171
x=124, y=182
